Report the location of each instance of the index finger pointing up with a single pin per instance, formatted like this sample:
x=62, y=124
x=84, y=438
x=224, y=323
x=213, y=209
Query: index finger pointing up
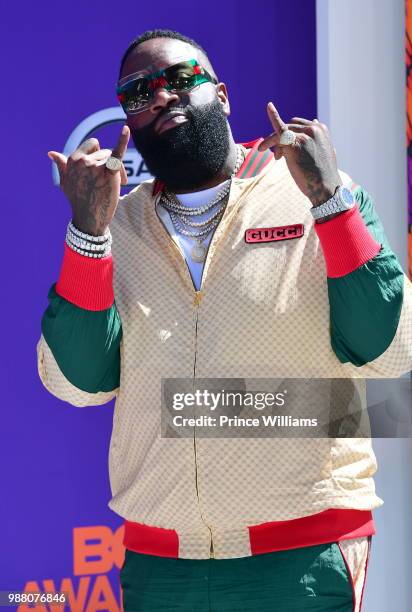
x=121, y=147
x=275, y=119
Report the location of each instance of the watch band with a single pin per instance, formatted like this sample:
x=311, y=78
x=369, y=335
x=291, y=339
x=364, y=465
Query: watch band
x=342, y=200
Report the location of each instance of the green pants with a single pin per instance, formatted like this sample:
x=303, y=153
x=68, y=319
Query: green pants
x=314, y=578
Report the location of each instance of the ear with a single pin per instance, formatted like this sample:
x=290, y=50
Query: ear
x=223, y=97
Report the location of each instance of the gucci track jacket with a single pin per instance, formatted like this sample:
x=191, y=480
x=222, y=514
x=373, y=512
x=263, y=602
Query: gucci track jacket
x=327, y=302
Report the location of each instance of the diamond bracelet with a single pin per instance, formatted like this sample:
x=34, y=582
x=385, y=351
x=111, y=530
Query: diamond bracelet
x=88, y=254
x=85, y=246
x=88, y=237
x=88, y=246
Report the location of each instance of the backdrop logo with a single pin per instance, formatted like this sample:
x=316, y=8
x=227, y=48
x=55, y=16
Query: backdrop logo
x=98, y=555
x=135, y=167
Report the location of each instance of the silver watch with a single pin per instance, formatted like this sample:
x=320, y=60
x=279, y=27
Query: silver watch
x=342, y=200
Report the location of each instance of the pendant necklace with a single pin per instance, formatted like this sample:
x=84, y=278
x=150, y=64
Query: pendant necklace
x=181, y=214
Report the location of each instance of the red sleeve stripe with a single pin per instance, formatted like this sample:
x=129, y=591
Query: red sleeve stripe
x=346, y=243
x=86, y=282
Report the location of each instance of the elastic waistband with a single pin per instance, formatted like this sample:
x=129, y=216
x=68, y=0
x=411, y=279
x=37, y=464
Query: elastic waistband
x=330, y=525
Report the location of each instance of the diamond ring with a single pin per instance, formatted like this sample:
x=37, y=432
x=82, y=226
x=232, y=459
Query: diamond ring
x=287, y=137
x=113, y=164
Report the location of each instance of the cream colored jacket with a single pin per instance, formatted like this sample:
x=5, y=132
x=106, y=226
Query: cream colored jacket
x=262, y=312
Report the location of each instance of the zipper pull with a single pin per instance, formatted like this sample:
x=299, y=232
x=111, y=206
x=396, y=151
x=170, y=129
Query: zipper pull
x=197, y=298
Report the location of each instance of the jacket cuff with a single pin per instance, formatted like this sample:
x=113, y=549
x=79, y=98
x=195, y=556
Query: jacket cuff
x=346, y=243
x=85, y=281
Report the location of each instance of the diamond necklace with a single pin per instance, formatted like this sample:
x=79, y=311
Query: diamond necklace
x=179, y=214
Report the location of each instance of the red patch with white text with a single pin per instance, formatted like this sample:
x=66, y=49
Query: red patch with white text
x=273, y=234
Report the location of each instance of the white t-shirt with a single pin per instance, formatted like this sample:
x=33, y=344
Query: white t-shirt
x=194, y=199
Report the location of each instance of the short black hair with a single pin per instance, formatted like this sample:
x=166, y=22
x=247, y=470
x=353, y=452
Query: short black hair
x=149, y=34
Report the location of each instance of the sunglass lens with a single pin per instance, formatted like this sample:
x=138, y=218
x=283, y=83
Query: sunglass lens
x=134, y=95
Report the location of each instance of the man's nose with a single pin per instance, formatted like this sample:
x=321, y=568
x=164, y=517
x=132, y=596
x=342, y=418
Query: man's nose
x=161, y=99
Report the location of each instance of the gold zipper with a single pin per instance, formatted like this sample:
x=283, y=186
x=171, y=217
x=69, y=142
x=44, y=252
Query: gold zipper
x=198, y=295
x=194, y=430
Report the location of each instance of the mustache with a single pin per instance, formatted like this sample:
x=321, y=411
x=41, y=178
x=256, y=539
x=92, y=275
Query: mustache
x=170, y=109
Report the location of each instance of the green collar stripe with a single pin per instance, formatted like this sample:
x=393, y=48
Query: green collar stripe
x=265, y=159
x=250, y=159
x=256, y=160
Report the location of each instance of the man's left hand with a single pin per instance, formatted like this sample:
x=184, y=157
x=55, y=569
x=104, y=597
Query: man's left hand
x=311, y=159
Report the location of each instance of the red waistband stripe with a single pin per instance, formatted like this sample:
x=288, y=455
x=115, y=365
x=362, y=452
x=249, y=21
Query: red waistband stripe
x=330, y=525
x=150, y=540
x=327, y=526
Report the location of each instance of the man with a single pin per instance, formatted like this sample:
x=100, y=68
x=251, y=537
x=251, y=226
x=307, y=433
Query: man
x=235, y=262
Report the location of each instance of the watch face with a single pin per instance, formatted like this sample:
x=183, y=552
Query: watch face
x=346, y=195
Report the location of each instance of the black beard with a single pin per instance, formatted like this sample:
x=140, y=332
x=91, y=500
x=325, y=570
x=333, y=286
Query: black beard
x=190, y=154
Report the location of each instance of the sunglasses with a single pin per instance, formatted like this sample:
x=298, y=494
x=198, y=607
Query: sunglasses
x=136, y=91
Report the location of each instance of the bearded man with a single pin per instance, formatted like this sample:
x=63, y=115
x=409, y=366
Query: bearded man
x=234, y=262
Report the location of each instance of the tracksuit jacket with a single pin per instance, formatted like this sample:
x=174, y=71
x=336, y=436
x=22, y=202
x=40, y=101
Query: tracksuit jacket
x=333, y=303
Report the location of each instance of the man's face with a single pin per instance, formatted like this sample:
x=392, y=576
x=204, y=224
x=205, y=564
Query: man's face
x=191, y=147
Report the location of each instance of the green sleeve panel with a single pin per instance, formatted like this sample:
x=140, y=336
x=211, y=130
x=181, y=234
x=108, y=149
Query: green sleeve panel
x=365, y=305
x=84, y=343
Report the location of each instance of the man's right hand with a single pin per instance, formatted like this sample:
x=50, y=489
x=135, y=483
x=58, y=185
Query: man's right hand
x=92, y=190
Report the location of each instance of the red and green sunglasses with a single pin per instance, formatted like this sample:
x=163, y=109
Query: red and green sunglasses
x=136, y=91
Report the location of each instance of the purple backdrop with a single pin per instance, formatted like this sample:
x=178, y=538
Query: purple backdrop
x=61, y=62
